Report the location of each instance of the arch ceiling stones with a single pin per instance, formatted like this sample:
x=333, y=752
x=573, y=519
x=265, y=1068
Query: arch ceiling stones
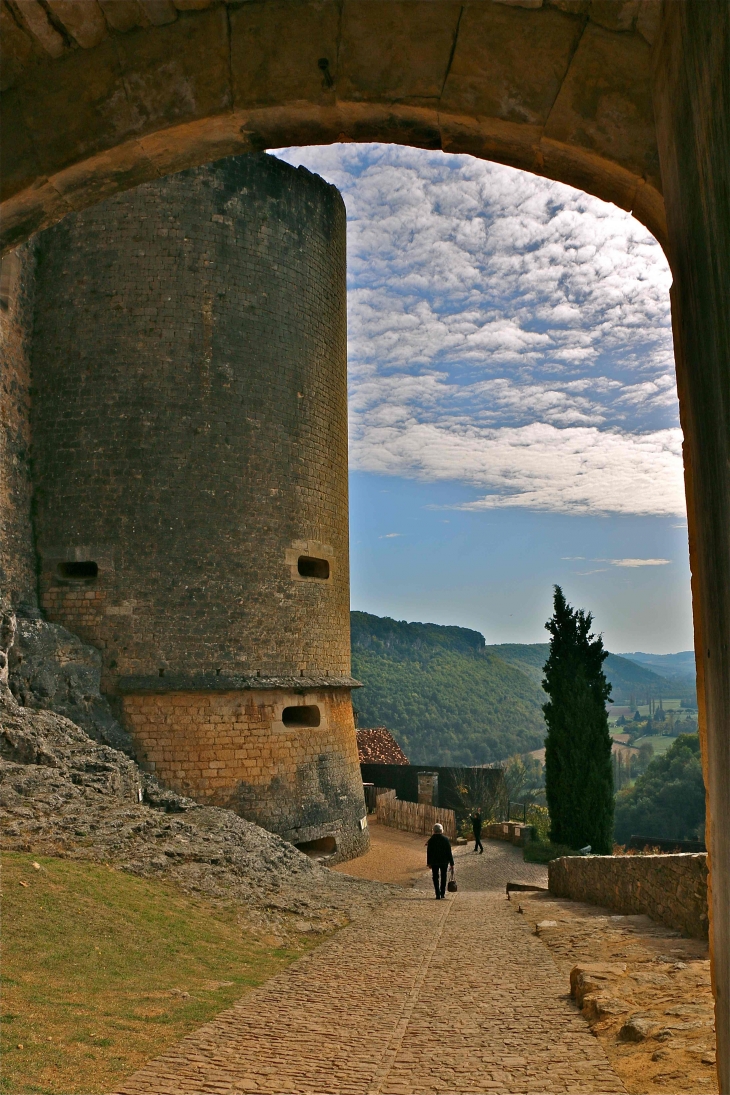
x=101, y=95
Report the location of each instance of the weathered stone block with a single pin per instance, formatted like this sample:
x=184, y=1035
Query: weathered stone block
x=637, y=1029
x=593, y=978
x=20, y=170
x=190, y=88
x=610, y=114
x=17, y=47
x=89, y=97
x=276, y=49
x=84, y=22
x=497, y=42
x=386, y=54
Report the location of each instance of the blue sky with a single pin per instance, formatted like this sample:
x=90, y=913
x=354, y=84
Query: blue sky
x=513, y=410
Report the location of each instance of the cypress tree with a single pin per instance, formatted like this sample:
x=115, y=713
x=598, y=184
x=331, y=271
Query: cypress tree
x=578, y=775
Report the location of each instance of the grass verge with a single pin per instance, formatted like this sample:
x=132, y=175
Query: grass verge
x=103, y=971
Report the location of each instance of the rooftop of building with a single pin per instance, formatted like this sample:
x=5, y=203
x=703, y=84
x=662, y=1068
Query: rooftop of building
x=376, y=745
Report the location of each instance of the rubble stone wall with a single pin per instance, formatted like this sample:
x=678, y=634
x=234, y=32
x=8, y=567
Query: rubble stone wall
x=190, y=494
x=193, y=333
x=669, y=888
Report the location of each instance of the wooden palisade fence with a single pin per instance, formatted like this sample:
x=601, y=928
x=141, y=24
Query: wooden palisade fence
x=413, y=817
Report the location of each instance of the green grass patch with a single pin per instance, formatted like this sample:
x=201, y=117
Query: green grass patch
x=103, y=971
x=659, y=743
x=542, y=851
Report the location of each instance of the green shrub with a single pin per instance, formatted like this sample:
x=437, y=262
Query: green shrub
x=539, y=818
x=542, y=851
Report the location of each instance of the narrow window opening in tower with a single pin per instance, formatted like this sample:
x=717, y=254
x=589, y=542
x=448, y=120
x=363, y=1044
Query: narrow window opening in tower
x=85, y=570
x=309, y=567
x=301, y=716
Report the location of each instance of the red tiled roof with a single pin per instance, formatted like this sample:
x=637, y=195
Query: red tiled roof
x=378, y=746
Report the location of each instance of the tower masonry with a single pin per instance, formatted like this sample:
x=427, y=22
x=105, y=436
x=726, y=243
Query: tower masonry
x=190, y=479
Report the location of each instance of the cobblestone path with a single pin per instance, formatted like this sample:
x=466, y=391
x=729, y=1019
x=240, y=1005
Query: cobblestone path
x=421, y=997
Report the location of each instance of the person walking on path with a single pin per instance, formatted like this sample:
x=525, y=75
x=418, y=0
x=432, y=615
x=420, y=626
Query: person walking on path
x=476, y=824
x=439, y=858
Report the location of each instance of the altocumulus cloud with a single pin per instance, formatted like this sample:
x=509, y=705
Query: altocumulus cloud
x=507, y=332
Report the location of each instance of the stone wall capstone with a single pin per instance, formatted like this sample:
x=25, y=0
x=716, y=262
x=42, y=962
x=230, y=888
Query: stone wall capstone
x=668, y=888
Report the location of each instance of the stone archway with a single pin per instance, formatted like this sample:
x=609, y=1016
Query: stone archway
x=102, y=99
x=626, y=99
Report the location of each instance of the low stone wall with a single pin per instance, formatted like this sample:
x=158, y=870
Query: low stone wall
x=514, y=831
x=668, y=888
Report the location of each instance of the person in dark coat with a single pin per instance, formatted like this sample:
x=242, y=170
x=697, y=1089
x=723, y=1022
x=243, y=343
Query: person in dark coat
x=439, y=858
x=476, y=824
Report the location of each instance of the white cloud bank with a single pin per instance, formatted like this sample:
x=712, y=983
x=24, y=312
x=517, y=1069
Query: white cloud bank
x=640, y=562
x=507, y=332
x=577, y=469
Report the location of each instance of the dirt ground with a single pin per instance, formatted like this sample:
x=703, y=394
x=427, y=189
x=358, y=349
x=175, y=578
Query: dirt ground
x=394, y=856
x=400, y=858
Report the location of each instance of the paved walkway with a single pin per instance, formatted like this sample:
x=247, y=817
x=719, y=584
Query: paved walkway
x=421, y=997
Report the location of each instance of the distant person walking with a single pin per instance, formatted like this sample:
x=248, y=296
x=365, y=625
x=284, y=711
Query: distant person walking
x=439, y=858
x=476, y=824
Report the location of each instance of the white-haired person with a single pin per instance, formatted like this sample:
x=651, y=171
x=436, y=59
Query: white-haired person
x=439, y=858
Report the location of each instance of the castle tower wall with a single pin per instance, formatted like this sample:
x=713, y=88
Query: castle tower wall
x=17, y=559
x=190, y=476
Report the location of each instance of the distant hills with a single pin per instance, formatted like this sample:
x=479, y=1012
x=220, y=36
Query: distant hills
x=672, y=666
x=449, y=698
x=629, y=678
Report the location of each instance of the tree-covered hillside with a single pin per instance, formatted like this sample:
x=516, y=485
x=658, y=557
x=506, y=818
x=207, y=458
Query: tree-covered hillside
x=626, y=677
x=449, y=699
x=668, y=800
x=445, y=698
x=680, y=666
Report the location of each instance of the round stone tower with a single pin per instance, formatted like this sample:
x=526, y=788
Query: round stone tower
x=190, y=464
